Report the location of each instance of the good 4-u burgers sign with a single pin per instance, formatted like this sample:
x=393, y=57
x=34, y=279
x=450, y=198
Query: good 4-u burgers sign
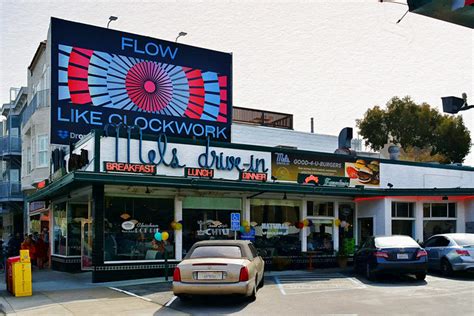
x=287, y=166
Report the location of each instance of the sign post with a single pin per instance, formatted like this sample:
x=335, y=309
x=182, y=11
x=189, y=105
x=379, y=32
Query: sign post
x=235, y=223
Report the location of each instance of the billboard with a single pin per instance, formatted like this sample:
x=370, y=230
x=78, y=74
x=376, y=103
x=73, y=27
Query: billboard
x=101, y=76
x=286, y=166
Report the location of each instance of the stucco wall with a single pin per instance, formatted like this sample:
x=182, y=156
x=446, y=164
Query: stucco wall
x=405, y=176
x=376, y=209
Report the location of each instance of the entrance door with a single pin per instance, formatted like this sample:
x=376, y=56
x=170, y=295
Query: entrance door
x=86, y=244
x=366, y=228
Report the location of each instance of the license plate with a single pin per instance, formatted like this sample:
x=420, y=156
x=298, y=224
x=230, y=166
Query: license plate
x=210, y=275
x=402, y=256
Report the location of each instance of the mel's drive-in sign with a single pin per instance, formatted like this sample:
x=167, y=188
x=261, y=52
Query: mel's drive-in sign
x=101, y=76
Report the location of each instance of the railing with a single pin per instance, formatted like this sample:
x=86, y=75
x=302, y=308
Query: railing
x=10, y=145
x=263, y=118
x=41, y=99
x=10, y=190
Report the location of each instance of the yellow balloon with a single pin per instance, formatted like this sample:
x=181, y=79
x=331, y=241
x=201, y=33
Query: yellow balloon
x=173, y=224
x=245, y=223
x=337, y=222
x=247, y=229
x=165, y=235
x=179, y=226
x=306, y=223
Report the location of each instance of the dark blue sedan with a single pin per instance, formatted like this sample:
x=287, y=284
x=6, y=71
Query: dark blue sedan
x=391, y=255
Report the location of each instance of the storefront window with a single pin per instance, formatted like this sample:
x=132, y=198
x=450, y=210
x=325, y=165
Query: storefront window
x=60, y=229
x=77, y=213
x=402, y=227
x=275, y=232
x=130, y=227
x=207, y=218
x=321, y=236
x=432, y=225
x=403, y=218
x=320, y=209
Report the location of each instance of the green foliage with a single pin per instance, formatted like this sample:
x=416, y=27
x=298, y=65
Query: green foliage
x=444, y=137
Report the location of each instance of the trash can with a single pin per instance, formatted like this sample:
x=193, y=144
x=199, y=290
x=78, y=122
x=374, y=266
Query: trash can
x=21, y=276
x=9, y=272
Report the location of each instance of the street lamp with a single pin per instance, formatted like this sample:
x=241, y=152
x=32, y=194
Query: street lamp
x=453, y=105
x=111, y=18
x=179, y=35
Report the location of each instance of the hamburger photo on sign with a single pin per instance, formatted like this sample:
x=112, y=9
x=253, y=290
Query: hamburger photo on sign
x=363, y=172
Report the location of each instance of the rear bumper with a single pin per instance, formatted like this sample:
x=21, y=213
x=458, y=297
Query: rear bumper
x=402, y=267
x=463, y=265
x=240, y=288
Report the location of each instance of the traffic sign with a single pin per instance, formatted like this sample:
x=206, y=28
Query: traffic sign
x=235, y=221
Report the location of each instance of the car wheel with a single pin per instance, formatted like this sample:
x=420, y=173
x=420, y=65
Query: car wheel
x=446, y=268
x=369, y=274
x=253, y=296
x=420, y=276
x=262, y=282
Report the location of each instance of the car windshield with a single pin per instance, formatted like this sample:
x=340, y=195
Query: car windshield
x=217, y=252
x=464, y=240
x=395, y=242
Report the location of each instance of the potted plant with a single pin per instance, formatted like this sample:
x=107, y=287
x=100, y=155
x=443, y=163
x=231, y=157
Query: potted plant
x=341, y=257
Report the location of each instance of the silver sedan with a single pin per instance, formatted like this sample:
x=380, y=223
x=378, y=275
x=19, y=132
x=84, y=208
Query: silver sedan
x=219, y=267
x=450, y=252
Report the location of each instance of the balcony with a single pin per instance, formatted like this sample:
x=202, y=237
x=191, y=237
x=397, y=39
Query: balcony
x=262, y=118
x=10, y=191
x=41, y=99
x=10, y=145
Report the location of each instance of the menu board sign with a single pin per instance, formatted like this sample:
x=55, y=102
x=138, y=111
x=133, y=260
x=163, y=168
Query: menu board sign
x=287, y=165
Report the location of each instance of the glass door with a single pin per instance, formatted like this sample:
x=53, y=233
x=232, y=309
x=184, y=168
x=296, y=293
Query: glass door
x=366, y=228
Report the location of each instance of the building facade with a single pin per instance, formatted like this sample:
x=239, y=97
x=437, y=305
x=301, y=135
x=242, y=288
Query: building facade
x=114, y=196
x=11, y=197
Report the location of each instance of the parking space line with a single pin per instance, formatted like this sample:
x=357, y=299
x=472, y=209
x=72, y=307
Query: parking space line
x=130, y=293
x=277, y=281
x=171, y=301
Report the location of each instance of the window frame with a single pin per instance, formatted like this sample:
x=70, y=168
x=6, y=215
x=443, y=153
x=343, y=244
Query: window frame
x=41, y=151
x=447, y=217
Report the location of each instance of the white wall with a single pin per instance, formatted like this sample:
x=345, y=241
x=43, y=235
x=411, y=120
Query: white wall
x=405, y=176
x=374, y=208
x=272, y=137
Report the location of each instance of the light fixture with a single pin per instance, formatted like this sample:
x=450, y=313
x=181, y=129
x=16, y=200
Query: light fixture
x=284, y=196
x=69, y=196
x=390, y=185
x=274, y=178
x=453, y=105
x=111, y=18
x=180, y=35
x=147, y=190
x=445, y=198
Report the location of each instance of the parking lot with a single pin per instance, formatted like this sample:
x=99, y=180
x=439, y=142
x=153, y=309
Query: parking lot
x=307, y=293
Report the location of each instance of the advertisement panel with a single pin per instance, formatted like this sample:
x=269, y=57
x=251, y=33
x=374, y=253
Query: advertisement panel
x=287, y=165
x=101, y=76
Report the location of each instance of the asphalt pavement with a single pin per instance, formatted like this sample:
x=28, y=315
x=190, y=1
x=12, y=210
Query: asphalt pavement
x=317, y=292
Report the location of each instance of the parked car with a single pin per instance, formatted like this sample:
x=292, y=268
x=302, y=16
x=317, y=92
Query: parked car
x=391, y=254
x=219, y=267
x=450, y=252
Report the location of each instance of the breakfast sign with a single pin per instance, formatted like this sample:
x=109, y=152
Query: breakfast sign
x=286, y=166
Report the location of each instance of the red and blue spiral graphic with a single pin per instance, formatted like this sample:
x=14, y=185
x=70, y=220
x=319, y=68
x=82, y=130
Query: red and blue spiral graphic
x=127, y=83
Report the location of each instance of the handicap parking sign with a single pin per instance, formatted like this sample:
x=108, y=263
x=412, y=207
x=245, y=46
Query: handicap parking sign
x=235, y=221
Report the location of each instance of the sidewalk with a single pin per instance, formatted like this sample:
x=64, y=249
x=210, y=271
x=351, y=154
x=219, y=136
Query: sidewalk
x=62, y=293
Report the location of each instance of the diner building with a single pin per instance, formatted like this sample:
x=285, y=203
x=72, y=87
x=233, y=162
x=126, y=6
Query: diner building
x=113, y=192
